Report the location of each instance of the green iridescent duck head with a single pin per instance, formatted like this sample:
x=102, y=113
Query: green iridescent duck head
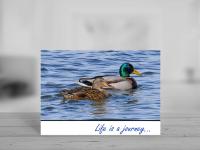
x=126, y=69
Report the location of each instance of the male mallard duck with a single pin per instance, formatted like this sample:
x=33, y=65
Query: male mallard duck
x=96, y=92
x=122, y=82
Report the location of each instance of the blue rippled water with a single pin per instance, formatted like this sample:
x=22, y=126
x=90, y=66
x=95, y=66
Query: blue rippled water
x=61, y=69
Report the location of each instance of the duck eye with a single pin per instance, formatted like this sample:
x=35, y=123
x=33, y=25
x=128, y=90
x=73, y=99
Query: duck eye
x=129, y=70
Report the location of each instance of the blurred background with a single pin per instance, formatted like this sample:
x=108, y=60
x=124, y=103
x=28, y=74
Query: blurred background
x=172, y=26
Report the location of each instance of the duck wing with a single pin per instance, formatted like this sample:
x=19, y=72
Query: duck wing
x=116, y=82
x=77, y=89
x=76, y=93
x=75, y=96
x=83, y=93
x=87, y=82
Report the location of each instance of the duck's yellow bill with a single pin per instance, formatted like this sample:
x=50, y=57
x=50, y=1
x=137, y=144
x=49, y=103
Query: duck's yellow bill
x=136, y=72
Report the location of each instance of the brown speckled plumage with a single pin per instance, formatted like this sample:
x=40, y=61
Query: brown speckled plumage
x=86, y=93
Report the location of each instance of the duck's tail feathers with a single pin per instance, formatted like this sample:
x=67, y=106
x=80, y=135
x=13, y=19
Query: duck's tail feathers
x=64, y=92
x=87, y=82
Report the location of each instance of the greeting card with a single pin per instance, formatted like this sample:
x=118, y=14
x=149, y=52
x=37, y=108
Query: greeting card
x=104, y=92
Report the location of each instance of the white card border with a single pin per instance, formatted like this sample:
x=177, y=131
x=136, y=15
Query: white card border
x=89, y=127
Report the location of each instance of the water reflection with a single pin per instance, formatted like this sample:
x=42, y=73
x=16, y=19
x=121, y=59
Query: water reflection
x=98, y=108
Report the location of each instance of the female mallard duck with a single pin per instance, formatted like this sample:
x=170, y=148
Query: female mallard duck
x=96, y=92
x=122, y=82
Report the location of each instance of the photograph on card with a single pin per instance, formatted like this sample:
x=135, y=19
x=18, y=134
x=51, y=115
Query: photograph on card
x=107, y=85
